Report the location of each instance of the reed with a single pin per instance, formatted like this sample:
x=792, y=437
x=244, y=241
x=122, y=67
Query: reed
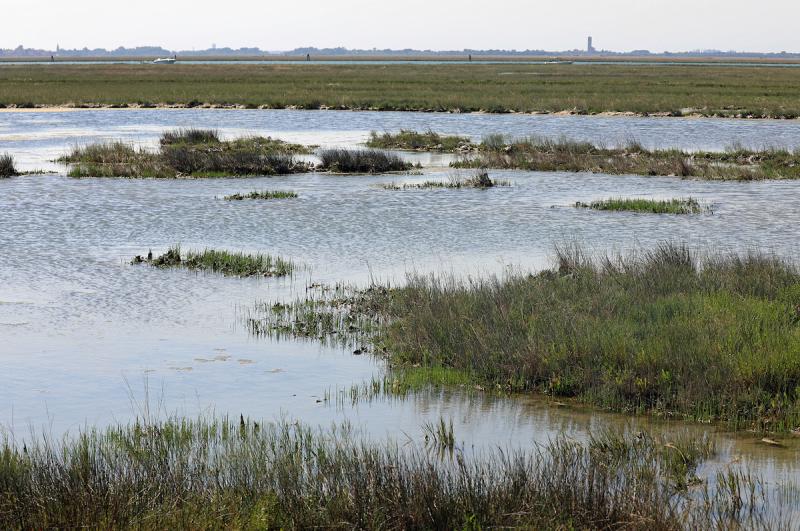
x=225, y=473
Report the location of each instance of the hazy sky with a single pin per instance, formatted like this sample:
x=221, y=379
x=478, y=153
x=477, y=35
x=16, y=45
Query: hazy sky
x=658, y=25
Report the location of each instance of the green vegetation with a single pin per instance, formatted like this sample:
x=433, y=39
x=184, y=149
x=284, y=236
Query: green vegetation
x=188, y=153
x=223, y=474
x=659, y=331
x=650, y=206
x=479, y=179
x=542, y=154
x=747, y=91
x=414, y=141
x=361, y=161
x=265, y=194
x=233, y=264
x=7, y=167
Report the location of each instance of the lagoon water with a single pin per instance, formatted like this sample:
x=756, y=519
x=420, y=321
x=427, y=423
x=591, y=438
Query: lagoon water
x=87, y=339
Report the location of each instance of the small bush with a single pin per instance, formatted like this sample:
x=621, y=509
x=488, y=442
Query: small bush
x=7, y=167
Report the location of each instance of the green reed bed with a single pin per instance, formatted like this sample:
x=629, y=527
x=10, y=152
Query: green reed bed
x=7, y=166
x=542, y=154
x=361, y=161
x=262, y=194
x=660, y=331
x=224, y=474
x=416, y=141
x=225, y=262
x=648, y=206
x=479, y=179
x=188, y=153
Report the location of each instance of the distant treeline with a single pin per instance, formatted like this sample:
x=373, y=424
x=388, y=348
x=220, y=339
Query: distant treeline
x=153, y=51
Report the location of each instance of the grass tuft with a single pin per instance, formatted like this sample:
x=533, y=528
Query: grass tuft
x=227, y=263
x=190, y=136
x=265, y=194
x=7, y=167
x=415, y=141
x=650, y=206
x=480, y=179
x=361, y=161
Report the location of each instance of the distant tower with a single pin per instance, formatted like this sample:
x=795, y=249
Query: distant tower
x=590, y=46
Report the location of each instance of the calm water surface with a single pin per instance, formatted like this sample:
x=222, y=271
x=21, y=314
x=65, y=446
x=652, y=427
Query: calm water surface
x=87, y=339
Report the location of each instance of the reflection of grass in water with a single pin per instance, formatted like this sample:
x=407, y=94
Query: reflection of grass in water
x=264, y=194
x=228, y=263
x=659, y=331
x=650, y=206
x=220, y=473
x=187, y=152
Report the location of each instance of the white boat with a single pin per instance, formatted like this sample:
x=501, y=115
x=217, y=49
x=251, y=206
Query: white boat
x=164, y=61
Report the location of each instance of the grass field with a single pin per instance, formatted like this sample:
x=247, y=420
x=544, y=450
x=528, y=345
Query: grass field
x=240, y=474
x=747, y=91
x=660, y=331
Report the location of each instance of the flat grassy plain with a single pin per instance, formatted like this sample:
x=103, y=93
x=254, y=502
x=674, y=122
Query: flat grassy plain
x=732, y=91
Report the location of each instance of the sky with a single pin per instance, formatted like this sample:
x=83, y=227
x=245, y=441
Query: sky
x=619, y=25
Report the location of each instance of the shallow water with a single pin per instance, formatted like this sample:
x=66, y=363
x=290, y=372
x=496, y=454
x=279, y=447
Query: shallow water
x=87, y=339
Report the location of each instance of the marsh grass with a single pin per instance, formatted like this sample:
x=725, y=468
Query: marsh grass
x=480, y=179
x=738, y=91
x=7, y=167
x=190, y=136
x=227, y=263
x=661, y=331
x=243, y=474
x=262, y=194
x=361, y=161
x=650, y=206
x=188, y=153
x=416, y=141
x=544, y=154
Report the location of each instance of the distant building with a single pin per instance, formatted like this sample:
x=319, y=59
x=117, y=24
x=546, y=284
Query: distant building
x=590, y=46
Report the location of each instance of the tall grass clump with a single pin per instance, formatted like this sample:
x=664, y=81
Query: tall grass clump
x=227, y=263
x=189, y=135
x=361, y=161
x=650, y=206
x=661, y=331
x=242, y=474
x=416, y=141
x=7, y=167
